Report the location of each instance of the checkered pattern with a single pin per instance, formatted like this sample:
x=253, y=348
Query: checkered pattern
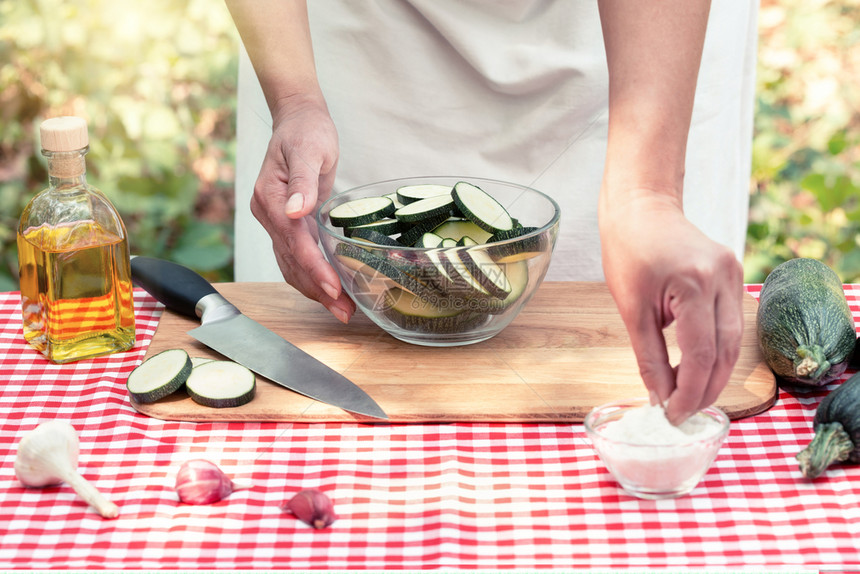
x=408, y=496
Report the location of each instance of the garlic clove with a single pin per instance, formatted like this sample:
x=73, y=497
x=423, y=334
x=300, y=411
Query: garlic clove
x=48, y=455
x=312, y=507
x=202, y=482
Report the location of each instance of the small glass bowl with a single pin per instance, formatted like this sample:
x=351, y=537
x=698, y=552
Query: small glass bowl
x=654, y=471
x=445, y=316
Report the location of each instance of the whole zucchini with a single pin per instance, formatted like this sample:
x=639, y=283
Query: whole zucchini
x=805, y=327
x=837, y=430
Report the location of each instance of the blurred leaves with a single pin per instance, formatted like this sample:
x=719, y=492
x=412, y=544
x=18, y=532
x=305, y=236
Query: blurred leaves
x=805, y=196
x=156, y=82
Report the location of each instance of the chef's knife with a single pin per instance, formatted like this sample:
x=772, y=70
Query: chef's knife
x=225, y=329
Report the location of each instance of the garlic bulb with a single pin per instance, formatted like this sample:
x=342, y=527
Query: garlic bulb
x=48, y=455
x=313, y=507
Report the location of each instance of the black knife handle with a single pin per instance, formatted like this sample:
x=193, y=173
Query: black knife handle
x=177, y=287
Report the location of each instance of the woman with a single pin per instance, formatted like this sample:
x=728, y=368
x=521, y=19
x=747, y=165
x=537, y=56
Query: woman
x=590, y=103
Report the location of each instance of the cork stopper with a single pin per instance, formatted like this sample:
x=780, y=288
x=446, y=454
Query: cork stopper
x=64, y=133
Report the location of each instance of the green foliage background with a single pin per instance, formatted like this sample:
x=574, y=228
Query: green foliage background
x=805, y=188
x=157, y=82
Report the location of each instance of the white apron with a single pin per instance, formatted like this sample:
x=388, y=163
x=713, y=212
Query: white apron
x=513, y=90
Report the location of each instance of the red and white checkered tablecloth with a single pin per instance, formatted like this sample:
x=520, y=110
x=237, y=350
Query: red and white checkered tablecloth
x=452, y=496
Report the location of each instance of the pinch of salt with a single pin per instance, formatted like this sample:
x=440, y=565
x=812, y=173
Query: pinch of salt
x=648, y=425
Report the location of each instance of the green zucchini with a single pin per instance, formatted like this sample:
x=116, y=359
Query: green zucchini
x=804, y=325
x=414, y=233
x=411, y=193
x=428, y=316
x=481, y=208
x=456, y=228
x=159, y=376
x=361, y=211
x=221, y=384
x=437, y=270
x=375, y=266
x=428, y=240
x=386, y=226
x=517, y=273
x=422, y=209
x=837, y=430
x=527, y=248
x=485, y=271
x=374, y=237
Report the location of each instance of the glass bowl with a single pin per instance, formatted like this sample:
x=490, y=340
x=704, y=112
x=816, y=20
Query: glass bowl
x=449, y=294
x=652, y=466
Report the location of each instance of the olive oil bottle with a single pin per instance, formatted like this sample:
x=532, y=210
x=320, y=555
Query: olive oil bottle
x=73, y=256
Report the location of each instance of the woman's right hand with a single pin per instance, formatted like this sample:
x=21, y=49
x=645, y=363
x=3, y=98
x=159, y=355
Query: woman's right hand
x=296, y=177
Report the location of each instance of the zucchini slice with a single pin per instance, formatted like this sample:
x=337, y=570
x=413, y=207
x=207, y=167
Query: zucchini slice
x=426, y=208
x=518, y=250
x=518, y=275
x=479, y=207
x=414, y=233
x=464, y=281
x=393, y=197
x=384, y=226
x=375, y=237
x=485, y=271
x=428, y=240
x=410, y=193
x=221, y=384
x=456, y=228
x=361, y=211
x=159, y=376
x=424, y=316
x=435, y=268
x=376, y=267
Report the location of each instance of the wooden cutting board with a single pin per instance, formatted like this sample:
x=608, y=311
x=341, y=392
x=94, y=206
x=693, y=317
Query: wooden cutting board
x=566, y=352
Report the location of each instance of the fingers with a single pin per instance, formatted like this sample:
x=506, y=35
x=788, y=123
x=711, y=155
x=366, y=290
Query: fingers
x=303, y=265
x=649, y=346
x=299, y=258
x=696, y=332
x=709, y=329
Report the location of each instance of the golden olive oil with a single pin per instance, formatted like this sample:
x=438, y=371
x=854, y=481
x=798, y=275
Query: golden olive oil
x=76, y=301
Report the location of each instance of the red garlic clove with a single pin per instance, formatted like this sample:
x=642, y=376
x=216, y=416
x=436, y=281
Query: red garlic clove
x=312, y=507
x=202, y=482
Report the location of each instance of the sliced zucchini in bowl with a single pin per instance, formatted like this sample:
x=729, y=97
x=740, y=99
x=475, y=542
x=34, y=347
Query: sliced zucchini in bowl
x=484, y=270
x=410, y=193
x=428, y=208
x=361, y=211
x=374, y=237
x=456, y=228
x=414, y=233
x=376, y=267
x=413, y=313
x=481, y=208
x=509, y=251
x=388, y=226
x=517, y=273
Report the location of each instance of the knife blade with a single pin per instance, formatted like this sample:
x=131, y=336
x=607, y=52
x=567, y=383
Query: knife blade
x=225, y=329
